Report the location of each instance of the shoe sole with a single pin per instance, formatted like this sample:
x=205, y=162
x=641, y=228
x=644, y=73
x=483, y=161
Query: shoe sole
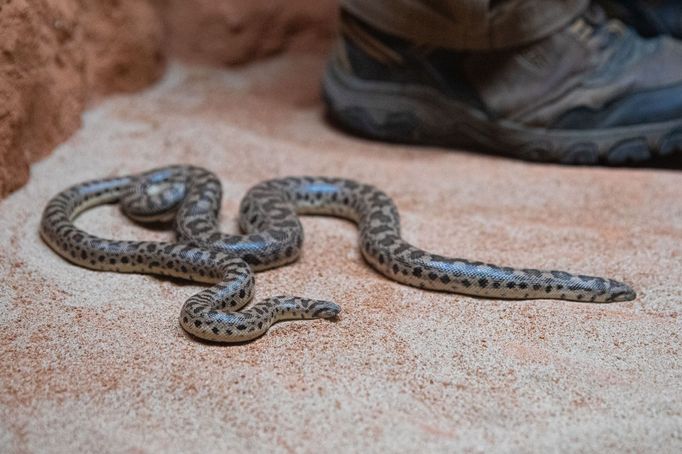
x=421, y=115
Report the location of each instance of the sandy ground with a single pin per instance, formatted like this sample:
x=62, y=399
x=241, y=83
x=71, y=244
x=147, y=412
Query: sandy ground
x=97, y=361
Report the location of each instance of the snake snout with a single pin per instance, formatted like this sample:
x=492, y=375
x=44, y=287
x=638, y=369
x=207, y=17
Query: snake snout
x=622, y=292
x=327, y=309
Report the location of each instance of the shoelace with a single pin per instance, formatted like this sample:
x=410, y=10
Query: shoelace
x=598, y=31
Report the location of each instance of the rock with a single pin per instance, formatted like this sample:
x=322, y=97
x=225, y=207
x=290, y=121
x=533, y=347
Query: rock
x=124, y=45
x=54, y=57
x=42, y=83
x=237, y=31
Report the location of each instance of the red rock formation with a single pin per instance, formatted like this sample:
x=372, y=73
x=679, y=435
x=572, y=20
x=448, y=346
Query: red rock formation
x=56, y=55
x=237, y=31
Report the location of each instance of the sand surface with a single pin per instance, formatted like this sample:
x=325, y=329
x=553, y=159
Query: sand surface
x=96, y=361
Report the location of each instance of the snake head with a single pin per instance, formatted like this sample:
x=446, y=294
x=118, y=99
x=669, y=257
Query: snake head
x=326, y=309
x=621, y=292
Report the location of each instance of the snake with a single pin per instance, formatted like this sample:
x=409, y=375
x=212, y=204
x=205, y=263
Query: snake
x=272, y=236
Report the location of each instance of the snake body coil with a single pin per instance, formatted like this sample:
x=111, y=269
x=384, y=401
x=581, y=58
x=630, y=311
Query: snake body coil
x=273, y=237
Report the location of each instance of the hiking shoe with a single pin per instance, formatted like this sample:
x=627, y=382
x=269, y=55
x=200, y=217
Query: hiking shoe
x=649, y=17
x=594, y=92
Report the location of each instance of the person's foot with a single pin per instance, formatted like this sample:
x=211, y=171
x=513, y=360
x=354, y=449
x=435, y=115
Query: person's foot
x=594, y=92
x=649, y=17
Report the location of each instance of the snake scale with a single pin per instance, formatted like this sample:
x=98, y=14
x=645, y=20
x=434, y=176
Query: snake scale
x=191, y=196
